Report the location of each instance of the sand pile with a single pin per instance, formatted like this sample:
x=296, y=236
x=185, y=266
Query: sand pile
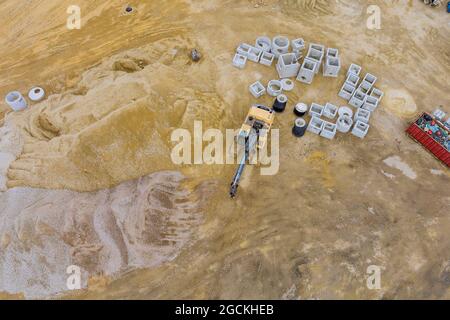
x=11, y=144
x=140, y=223
x=115, y=123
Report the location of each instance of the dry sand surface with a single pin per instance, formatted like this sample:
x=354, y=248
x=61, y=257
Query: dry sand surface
x=86, y=176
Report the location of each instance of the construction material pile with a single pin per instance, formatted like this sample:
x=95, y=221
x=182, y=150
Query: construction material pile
x=360, y=93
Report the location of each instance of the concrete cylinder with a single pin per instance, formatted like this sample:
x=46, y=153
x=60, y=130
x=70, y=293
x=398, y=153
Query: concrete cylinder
x=300, y=109
x=299, y=128
x=274, y=88
x=280, y=45
x=263, y=43
x=16, y=101
x=345, y=111
x=36, y=94
x=280, y=103
x=344, y=123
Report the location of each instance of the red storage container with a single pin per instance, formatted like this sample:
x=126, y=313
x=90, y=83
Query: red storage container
x=438, y=150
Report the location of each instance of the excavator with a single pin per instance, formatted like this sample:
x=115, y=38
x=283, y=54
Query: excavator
x=252, y=136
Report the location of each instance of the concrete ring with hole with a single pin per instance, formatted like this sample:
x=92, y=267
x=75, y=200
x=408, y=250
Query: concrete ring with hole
x=16, y=101
x=280, y=45
x=344, y=123
x=287, y=84
x=264, y=43
x=274, y=88
x=345, y=111
x=36, y=94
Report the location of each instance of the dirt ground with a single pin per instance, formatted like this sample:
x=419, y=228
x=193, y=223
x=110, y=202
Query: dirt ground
x=118, y=88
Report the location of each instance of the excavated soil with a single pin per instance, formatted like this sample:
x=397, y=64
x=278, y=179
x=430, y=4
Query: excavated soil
x=86, y=176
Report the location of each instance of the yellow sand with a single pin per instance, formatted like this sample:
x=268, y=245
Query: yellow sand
x=120, y=85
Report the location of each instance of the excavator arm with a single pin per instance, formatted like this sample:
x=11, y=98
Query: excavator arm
x=250, y=146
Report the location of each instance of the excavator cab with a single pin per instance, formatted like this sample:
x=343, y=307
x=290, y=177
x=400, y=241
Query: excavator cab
x=252, y=136
x=259, y=118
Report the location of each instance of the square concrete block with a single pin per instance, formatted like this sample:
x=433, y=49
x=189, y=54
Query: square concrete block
x=439, y=114
x=239, y=61
x=362, y=115
x=331, y=67
x=316, y=110
x=358, y=99
x=243, y=49
x=370, y=104
x=257, y=89
x=330, y=110
x=376, y=93
x=287, y=66
x=332, y=52
x=370, y=78
x=317, y=56
x=328, y=130
x=355, y=69
x=347, y=91
x=254, y=54
x=360, y=129
x=315, y=125
x=318, y=47
x=307, y=71
x=267, y=58
x=365, y=87
x=353, y=79
x=298, y=44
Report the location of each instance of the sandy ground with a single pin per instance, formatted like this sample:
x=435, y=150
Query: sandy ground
x=140, y=223
x=120, y=85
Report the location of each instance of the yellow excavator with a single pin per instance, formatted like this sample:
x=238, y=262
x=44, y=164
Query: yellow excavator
x=252, y=136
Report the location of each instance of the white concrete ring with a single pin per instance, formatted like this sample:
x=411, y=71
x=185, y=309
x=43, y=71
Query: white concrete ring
x=264, y=43
x=301, y=109
x=274, y=88
x=300, y=122
x=36, y=94
x=345, y=111
x=16, y=101
x=287, y=84
x=280, y=45
x=344, y=123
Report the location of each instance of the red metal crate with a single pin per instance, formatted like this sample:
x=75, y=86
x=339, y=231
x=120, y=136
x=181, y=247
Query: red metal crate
x=438, y=150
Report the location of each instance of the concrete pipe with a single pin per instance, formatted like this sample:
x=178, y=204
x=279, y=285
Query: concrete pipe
x=287, y=84
x=299, y=128
x=274, y=88
x=280, y=103
x=344, y=123
x=280, y=45
x=345, y=111
x=264, y=44
x=36, y=94
x=300, y=109
x=16, y=101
